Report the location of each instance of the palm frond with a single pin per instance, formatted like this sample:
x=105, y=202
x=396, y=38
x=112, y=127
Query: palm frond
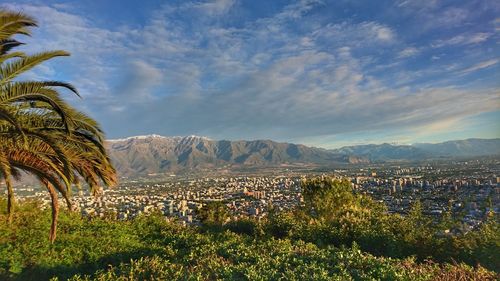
x=7, y=45
x=12, y=23
x=11, y=70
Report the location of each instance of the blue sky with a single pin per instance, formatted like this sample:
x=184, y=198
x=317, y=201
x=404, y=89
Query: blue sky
x=323, y=73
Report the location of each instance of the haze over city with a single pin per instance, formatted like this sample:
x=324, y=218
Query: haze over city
x=321, y=73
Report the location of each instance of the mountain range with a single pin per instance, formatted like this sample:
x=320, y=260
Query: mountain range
x=154, y=154
x=422, y=151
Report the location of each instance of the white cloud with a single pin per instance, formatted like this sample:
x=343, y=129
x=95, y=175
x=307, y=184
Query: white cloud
x=213, y=8
x=282, y=76
x=479, y=37
x=462, y=39
x=88, y=45
x=383, y=33
x=138, y=82
x=417, y=4
x=355, y=34
x=408, y=52
x=479, y=66
x=452, y=17
x=298, y=9
x=439, y=15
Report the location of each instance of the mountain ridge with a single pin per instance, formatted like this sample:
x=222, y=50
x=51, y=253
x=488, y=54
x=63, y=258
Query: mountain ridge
x=471, y=147
x=156, y=154
x=153, y=154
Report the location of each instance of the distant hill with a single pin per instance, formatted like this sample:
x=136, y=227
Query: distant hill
x=153, y=154
x=468, y=147
x=384, y=152
x=422, y=151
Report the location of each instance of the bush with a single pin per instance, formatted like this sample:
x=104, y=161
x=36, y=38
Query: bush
x=333, y=215
x=245, y=226
x=297, y=245
x=213, y=215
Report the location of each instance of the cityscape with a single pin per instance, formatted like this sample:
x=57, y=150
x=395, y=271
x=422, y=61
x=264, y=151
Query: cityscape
x=468, y=189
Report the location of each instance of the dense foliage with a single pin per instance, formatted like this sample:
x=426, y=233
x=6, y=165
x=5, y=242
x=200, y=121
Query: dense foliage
x=213, y=214
x=334, y=215
x=351, y=239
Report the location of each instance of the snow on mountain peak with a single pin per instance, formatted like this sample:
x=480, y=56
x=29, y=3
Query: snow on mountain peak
x=155, y=136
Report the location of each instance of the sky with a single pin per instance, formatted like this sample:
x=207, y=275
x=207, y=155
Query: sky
x=321, y=73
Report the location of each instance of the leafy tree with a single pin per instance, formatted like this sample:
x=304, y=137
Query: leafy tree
x=333, y=201
x=214, y=214
x=282, y=224
x=247, y=226
x=39, y=132
x=325, y=197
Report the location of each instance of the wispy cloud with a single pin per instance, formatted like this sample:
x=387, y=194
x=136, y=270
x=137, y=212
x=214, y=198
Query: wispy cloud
x=463, y=39
x=215, y=7
x=295, y=72
x=138, y=81
x=479, y=66
x=408, y=52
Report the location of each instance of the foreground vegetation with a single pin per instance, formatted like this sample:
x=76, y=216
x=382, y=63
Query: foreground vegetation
x=149, y=248
x=335, y=235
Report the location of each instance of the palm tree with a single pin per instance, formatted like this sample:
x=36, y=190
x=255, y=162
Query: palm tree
x=59, y=159
x=39, y=132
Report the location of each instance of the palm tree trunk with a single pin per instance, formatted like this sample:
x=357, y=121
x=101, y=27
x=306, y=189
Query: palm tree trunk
x=55, y=212
x=10, y=199
x=69, y=203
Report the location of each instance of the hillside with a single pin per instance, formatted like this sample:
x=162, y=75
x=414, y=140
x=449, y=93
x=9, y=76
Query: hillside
x=154, y=154
x=423, y=151
x=151, y=154
x=468, y=147
x=384, y=152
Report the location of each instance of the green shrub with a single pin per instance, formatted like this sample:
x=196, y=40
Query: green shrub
x=296, y=245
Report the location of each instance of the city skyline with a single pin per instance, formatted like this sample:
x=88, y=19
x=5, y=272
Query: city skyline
x=321, y=73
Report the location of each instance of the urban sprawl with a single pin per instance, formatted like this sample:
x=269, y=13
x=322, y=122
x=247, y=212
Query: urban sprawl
x=466, y=189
